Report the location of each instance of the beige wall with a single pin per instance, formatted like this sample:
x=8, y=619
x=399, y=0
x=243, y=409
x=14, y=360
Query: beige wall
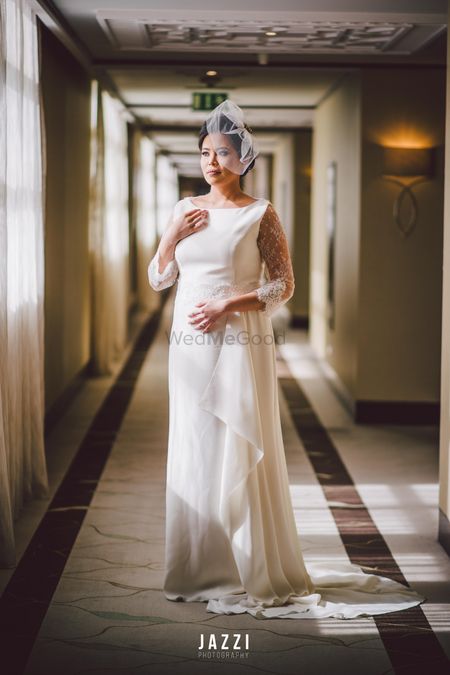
x=444, y=438
x=337, y=134
x=66, y=96
x=399, y=314
x=302, y=216
x=386, y=342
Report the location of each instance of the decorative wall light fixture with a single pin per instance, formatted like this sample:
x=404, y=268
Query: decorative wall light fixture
x=407, y=167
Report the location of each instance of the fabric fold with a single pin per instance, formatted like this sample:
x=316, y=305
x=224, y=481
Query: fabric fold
x=237, y=395
x=341, y=590
x=231, y=396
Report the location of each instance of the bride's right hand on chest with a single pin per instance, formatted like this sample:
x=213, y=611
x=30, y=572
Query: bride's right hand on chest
x=188, y=223
x=163, y=268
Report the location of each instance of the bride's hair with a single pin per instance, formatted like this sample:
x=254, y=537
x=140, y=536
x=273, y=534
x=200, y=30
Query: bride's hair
x=227, y=124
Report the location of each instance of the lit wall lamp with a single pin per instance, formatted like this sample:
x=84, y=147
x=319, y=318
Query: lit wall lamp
x=399, y=164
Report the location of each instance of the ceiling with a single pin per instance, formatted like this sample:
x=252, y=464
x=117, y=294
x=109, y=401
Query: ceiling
x=163, y=96
x=154, y=31
x=155, y=54
x=288, y=33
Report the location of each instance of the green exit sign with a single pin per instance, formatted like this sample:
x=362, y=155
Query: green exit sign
x=207, y=100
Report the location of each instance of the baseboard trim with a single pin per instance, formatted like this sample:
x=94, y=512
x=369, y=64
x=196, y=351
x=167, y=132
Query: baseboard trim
x=444, y=532
x=396, y=412
x=299, y=322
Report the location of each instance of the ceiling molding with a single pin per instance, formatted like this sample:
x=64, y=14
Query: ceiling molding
x=272, y=17
x=304, y=65
x=301, y=33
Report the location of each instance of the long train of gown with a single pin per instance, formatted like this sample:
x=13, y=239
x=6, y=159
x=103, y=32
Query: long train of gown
x=231, y=537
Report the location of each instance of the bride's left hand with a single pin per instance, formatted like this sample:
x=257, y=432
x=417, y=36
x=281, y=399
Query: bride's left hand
x=208, y=313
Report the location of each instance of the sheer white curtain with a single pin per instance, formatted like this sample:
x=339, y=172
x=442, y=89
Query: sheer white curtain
x=23, y=472
x=145, y=209
x=109, y=229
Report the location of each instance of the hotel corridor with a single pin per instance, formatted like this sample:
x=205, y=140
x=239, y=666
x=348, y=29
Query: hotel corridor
x=340, y=134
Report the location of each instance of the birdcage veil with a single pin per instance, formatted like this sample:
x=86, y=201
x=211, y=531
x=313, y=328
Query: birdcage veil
x=227, y=121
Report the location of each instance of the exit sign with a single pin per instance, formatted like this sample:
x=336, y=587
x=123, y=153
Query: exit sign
x=207, y=100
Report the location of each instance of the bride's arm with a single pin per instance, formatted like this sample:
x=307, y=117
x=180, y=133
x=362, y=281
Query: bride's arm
x=274, y=249
x=163, y=268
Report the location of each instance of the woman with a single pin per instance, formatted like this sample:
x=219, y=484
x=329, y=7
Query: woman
x=231, y=538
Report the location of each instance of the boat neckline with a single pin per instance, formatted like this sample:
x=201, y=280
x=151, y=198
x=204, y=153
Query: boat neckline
x=226, y=208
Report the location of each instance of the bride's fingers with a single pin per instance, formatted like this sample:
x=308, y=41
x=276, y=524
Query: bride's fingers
x=197, y=217
x=194, y=227
x=204, y=324
x=193, y=211
x=190, y=215
x=197, y=313
x=209, y=327
x=198, y=319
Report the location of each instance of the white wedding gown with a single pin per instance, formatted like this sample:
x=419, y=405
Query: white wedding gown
x=231, y=537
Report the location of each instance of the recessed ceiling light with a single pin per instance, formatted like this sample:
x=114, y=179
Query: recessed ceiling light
x=211, y=73
x=270, y=33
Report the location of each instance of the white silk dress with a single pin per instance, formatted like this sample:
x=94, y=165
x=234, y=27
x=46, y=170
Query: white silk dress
x=231, y=537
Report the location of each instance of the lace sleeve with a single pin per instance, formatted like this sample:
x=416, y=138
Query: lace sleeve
x=274, y=249
x=164, y=279
x=160, y=280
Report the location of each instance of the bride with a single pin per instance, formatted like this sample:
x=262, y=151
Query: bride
x=231, y=537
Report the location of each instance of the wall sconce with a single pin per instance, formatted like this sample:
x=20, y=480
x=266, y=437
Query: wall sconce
x=407, y=163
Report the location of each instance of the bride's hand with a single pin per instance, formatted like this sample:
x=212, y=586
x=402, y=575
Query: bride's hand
x=208, y=313
x=188, y=223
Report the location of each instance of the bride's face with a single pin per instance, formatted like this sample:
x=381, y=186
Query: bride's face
x=219, y=159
